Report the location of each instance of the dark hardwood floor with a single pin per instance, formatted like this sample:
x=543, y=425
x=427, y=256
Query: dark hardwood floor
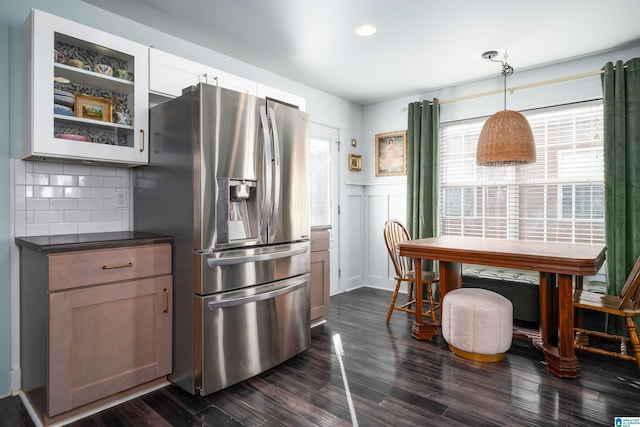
x=393, y=380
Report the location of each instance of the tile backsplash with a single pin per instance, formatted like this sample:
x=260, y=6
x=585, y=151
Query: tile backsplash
x=61, y=198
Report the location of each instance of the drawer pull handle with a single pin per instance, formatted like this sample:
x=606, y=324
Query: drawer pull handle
x=112, y=267
x=166, y=300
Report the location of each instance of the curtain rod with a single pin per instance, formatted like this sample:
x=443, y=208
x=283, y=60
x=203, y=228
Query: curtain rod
x=519, y=87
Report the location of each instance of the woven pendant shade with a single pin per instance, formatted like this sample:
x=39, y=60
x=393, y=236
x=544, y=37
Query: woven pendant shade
x=506, y=140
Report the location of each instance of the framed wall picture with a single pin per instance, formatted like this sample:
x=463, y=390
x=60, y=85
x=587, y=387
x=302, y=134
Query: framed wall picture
x=92, y=107
x=355, y=162
x=391, y=153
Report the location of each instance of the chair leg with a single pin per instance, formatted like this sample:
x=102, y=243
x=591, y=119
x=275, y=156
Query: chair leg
x=431, y=302
x=633, y=336
x=410, y=292
x=393, y=301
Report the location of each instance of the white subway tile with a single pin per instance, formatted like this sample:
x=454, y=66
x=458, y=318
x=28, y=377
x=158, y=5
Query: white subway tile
x=63, y=204
x=40, y=217
x=103, y=215
x=64, y=228
x=77, y=192
x=103, y=171
x=113, y=226
x=34, y=204
x=110, y=203
x=90, y=204
x=57, y=198
x=37, y=230
x=68, y=180
x=90, y=227
x=103, y=193
x=19, y=198
x=37, y=178
x=19, y=172
x=126, y=177
x=77, y=216
x=47, y=191
x=48, y=167
x=90, y=181
x=20, y=224
x=113, y=181
x=73, y=169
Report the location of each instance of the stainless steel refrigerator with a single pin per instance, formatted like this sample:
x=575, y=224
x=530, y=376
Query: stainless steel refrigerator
x=228, y=177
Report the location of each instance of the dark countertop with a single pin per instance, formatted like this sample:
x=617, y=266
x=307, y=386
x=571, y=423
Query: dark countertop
x=86, y=241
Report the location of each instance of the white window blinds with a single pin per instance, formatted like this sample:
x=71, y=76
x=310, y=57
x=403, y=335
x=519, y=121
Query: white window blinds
x=558, y=198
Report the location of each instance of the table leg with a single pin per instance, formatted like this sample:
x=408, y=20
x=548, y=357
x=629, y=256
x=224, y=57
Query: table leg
x=556, y=316
x=422, y=330
x=450, y=277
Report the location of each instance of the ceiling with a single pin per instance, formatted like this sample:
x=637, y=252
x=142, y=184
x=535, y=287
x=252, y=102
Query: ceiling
x=420, y=44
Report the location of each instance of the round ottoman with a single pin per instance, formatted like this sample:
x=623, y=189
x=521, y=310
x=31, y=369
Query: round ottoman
x=477, y=324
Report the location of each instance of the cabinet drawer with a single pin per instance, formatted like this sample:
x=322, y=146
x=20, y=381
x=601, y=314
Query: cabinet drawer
x=83, y=268
x=319, y=240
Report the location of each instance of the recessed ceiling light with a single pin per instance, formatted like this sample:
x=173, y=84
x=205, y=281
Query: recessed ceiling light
x=365, y=30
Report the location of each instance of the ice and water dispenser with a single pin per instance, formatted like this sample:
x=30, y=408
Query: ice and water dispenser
x=237, y=212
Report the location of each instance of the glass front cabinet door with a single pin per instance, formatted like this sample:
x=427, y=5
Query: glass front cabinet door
x=86, y=94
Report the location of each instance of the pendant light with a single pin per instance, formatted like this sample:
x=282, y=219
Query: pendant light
x=506, y=138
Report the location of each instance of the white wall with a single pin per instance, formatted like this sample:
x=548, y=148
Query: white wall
x=40, y=216
x=5, y=244
x=383, y=197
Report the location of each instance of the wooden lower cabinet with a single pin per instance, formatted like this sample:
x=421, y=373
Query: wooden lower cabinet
x=320, y=274
x=107, y=339
x=96, y=323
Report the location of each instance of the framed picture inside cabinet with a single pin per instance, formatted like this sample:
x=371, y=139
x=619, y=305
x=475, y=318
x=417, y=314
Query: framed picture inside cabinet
x=93, y=107
x=355, y=162
x=391, y=153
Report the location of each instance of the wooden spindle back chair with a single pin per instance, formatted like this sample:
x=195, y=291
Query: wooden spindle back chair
x=626, y=305
x=394, y=234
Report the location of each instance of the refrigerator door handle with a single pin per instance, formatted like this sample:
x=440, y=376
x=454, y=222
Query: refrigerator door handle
x=276, y=176
x=243, y=258
x=265, y=177
x=213, y=305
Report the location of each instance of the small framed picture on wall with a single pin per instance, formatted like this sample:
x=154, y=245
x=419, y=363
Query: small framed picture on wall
x=391, y=153
x=355, y=162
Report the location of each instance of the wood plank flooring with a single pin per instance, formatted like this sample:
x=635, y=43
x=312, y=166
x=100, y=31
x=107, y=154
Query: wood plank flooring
x=394, y=380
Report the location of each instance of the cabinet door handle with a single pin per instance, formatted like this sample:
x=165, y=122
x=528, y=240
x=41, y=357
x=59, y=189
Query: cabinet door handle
x=141, y=140
x=112, y=267
x=166, y=300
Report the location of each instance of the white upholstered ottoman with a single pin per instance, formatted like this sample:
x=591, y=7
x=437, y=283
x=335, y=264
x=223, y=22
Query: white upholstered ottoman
x=477, y=323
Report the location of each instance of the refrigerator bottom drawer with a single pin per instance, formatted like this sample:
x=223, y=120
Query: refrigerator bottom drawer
x=245, y=333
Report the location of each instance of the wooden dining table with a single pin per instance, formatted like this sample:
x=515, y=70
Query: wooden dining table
x=561, y=266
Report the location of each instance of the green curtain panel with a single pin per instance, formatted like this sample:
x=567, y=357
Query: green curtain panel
x=422, y=168
x=621, y=92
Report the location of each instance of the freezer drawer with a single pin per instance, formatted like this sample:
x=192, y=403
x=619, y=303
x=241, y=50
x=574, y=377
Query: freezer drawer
x=239, y=268
x=244, y=333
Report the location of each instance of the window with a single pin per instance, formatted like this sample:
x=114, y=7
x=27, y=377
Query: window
x=558, y=198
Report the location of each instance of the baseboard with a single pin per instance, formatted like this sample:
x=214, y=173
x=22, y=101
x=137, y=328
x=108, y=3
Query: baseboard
x=92, y=408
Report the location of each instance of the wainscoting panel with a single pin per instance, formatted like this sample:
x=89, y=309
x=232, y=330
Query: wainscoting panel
x=378, y=259
x=354, y=244
x=383, y=202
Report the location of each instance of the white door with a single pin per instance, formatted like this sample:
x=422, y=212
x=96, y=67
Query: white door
x=325, y=196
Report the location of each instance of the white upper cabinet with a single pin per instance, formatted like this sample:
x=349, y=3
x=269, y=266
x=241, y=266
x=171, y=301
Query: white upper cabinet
x=87, y=94
x=170, y=74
